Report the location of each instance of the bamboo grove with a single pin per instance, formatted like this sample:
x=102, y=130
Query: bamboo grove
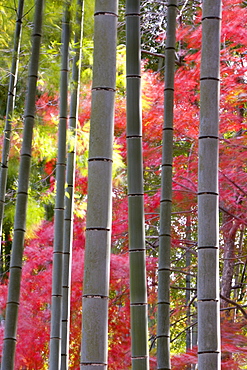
x=151, y=234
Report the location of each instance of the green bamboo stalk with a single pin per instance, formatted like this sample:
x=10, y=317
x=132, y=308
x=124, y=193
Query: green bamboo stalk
x=9, y=113
x=22, y=197
x=99, y=211
x=137, y=252
x=56, y=305
x=208, y=207
x=70, y=181
x=163, y=319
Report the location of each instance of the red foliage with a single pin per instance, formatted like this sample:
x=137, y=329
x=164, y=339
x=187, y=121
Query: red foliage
x=34, y=317
x=34, y=313
x=233, y=343
x=47, y=108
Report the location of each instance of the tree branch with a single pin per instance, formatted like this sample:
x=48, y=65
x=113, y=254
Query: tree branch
x=235, y=304
x=233, y=183
x=159, y=55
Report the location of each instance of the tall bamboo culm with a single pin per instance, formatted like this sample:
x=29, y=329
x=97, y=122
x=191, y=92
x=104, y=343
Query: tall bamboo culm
x=70, y=181
x=208, y=207
x=163, y=325
x=57, y=272
x=22, y=197
x=99, y=209
x=9, y=115
x=188, y=284
x=137, y=252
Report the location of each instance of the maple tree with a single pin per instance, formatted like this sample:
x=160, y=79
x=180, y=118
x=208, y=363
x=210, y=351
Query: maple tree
x=33, y=327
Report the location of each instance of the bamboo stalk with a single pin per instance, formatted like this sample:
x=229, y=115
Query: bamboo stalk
x=137, y=252
x=22, y=197
x=70, y=181
x=208, y=203
x=188, y=286
x=99, y=212
x=163, y=319
x=9, y=115
x=57, y=272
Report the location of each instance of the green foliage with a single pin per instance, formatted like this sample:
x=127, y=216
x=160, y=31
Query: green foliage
x=35, y=215
x=87, y=61
x=44, y=142
x=121, y=69
x=49, y=72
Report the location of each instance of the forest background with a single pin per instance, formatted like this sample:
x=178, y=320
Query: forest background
x=34, y=315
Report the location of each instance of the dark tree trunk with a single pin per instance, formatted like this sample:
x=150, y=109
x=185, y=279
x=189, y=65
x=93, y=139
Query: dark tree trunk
x=230, y=227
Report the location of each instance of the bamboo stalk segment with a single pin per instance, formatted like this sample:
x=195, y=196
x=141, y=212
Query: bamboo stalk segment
x=99, y=195
x=138, y=343
x=209, y=277
x=96, y=274
x=94, y=350
x=102, y=131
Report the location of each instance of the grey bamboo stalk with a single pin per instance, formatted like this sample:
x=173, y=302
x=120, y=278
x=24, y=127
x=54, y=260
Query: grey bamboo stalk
x=190, y=317
x=137, y=253
x=9, y=113
x=194, y=338
x=188, y=285
x=163, y=319
x=194, y=334
x=70, y=180
x=56, y=305
x=99, y=209
x=22, y=197
x=208, y=206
